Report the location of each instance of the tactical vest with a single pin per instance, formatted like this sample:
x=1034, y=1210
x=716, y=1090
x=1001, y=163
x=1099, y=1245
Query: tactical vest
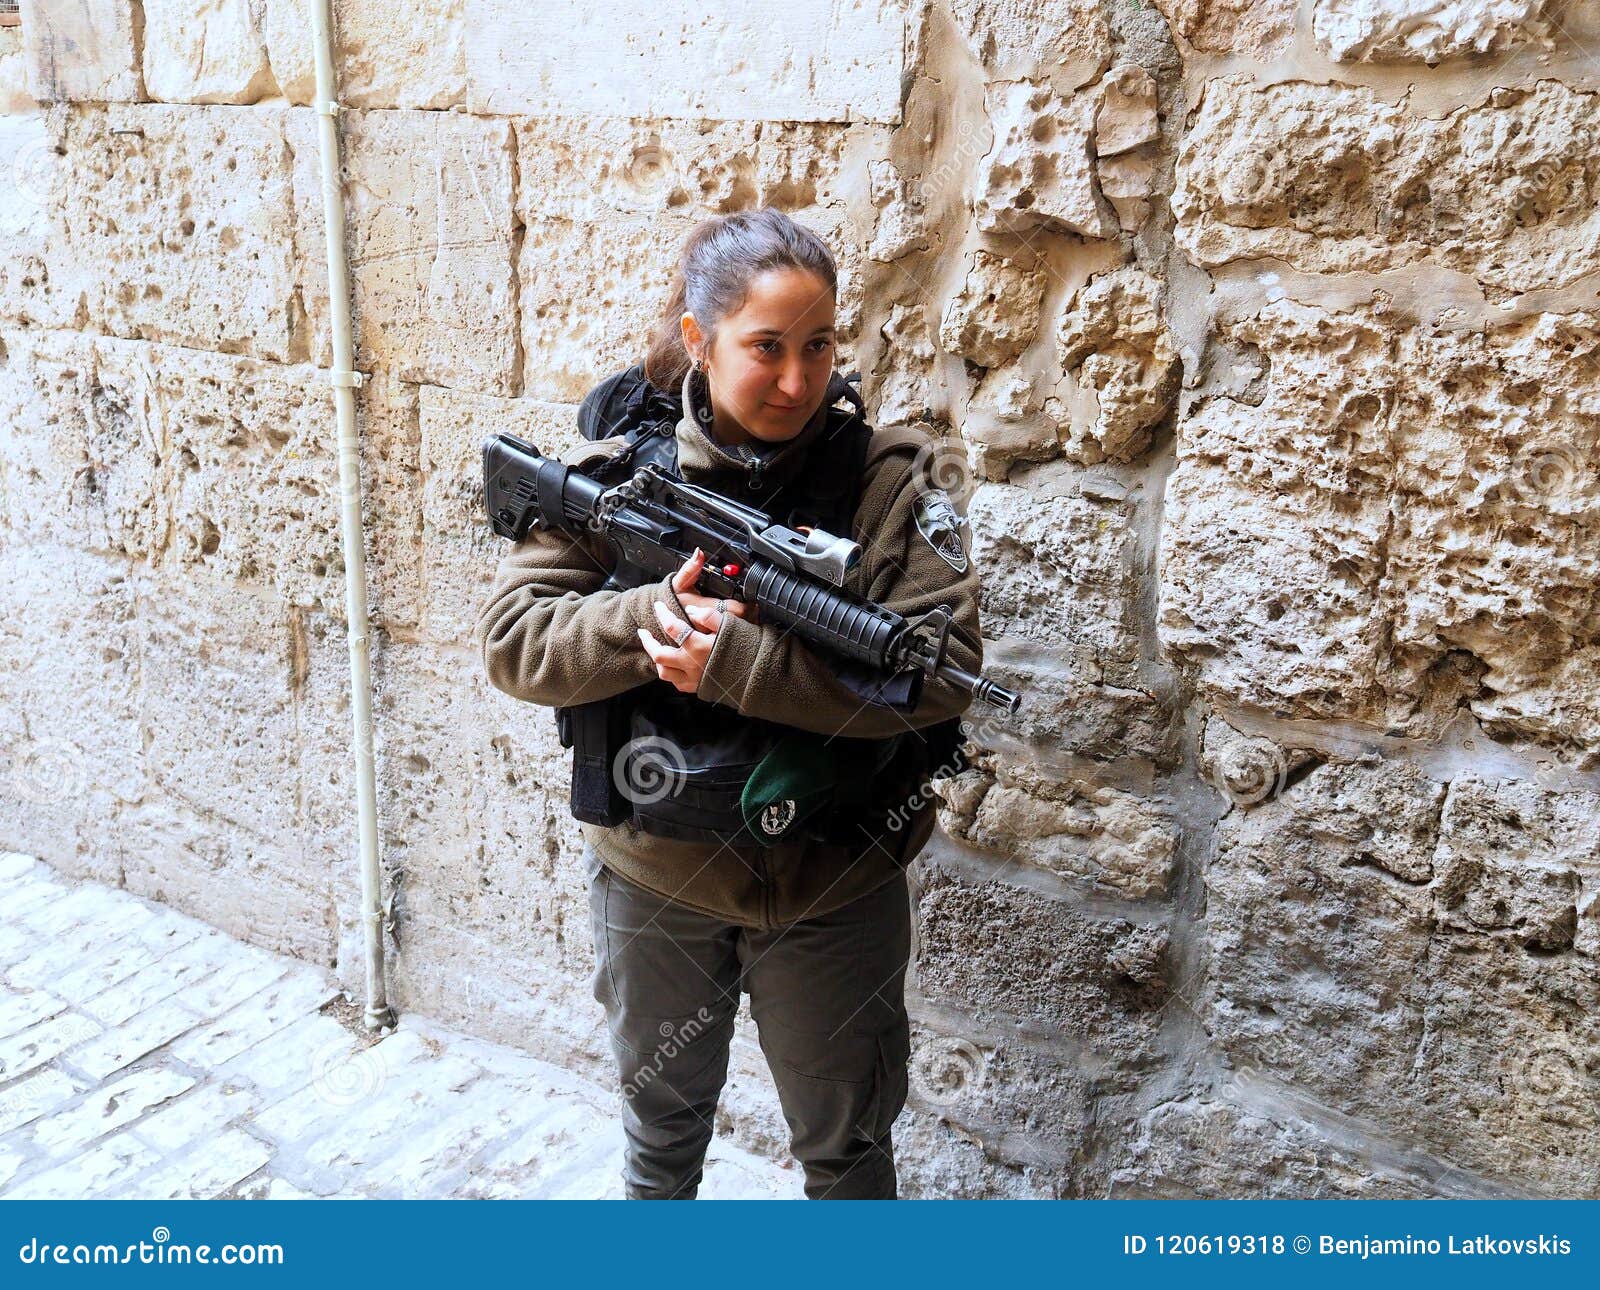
x=675, y=765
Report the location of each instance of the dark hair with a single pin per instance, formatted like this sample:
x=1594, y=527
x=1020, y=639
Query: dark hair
x=722, y=256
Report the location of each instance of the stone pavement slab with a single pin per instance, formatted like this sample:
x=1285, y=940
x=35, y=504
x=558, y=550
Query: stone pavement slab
x=145, y=1055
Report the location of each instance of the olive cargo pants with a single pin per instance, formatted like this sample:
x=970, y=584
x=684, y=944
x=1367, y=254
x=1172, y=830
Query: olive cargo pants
x=828, y=998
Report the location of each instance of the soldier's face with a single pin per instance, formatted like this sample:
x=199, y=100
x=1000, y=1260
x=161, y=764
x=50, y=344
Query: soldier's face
x=771, y=359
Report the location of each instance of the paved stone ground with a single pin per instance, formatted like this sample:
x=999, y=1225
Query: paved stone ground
x=145, y=1055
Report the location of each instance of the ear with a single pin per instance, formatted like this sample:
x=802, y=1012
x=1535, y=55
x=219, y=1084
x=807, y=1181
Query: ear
x=692, y=335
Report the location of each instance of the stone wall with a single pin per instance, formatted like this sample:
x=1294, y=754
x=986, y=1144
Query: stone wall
x=1260, y=339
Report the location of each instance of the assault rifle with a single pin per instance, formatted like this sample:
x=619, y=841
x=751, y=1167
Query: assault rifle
x=653, y=522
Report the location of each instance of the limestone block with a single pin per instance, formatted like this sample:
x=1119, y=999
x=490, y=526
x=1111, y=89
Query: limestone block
x=1495, y=547
x=1248, y=769
x=1114, y=341
x=190, y=459
x=386, y=57
x=217, y=663
x=261, y=890
x=902, y=219
x=14, y=96
x=1071, y=708
x=530, y=891
x=1058, y=572
x=430, y=240
x=182, y=222
x=1253, y=28
x=1380, y=995
x=1200, y=1147
x=1068, y=825
x=776, y=60
x=1427, y=31
x=1514, y=858
x=213, y=52
x=460, y=552
x=1127, y=181
x=1335, y=180
x=81, y=50
x=1022, y=1104
x=608, y=204
x=995, y=315
x=1040, y=172
x=70, y=737
x=1421, y=504
x=1270, y=548
x=77, y=469
x=35, y=286
x=1068, y=44
x=997, y=949
x=1126, y=116
x=903, y=388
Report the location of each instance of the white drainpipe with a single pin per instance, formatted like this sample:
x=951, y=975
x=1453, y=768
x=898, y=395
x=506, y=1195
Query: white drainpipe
x=345, y=380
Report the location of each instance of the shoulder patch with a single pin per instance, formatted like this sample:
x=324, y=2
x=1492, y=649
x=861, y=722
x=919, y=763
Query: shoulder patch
x=940, y=526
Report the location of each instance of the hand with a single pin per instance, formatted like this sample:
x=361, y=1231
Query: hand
x=684, y=664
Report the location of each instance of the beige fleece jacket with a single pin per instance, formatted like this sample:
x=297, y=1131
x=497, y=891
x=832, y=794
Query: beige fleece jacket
x=551, y=637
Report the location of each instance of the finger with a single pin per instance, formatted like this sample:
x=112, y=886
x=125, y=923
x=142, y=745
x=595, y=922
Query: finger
x=705, y=618
x=665, y=655
x=689, y=571
x=676, y=629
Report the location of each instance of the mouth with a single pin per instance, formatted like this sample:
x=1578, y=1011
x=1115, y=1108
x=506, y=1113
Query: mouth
x=786, y=407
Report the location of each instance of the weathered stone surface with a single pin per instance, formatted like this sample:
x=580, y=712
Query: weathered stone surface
x=1203, y=1148
x=214, y=52
x=1126, y=116
x=994, y=316
x=1040, y=173
x=182, y=222
x=1336, y=180
x=1495, y=547
x=430, y=239
x=1255, y=28
x=1127, y=181
x=905, y=378
x=35, y=286
x=607, y=205
x=188, y=459
x=1068, y=46
x=81, y=50
x=1065, y=824
x=70, y=733
x=1022, y=1105
x=1058, y=571
x=776, y=60
x=1427, y=31
x=1248, y=769
x=459, y=551
x=386, y=57
x=1421, y=511
x=1442, y=1009
x=1000, y=950
x=1071, y=708
x=1114, y=341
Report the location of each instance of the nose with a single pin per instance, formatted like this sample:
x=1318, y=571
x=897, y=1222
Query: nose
x=792, y=383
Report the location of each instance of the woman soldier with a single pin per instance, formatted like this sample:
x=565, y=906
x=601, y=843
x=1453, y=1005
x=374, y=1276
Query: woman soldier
x=688, y=911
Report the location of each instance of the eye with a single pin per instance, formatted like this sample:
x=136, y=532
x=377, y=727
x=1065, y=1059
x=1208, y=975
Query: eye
x=763, y=346
x=822, y=343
